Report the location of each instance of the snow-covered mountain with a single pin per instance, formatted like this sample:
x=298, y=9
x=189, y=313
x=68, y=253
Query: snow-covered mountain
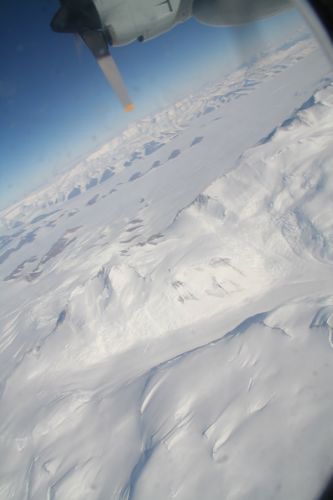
x=138, y=143
x=167, y=331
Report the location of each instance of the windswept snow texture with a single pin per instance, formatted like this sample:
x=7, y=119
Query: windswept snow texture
x=167, y=332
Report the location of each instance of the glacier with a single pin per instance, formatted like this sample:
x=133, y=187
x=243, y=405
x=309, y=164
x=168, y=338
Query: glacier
x=167, y=304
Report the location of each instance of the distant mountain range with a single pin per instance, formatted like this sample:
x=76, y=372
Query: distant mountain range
x=141, y=139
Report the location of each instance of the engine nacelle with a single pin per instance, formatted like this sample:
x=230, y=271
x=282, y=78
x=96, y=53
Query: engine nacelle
x=236, y=12
x=130, y=20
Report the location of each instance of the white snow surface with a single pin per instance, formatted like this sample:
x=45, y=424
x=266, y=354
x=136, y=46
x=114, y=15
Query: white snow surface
x=168, y=333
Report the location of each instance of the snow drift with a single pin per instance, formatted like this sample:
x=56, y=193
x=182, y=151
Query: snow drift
x=173, y=338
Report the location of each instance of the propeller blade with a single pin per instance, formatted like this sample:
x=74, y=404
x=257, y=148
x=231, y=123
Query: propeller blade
x=78, y=44
x=82, y=18
x=112, y=74
x=98, y=44
x=319, y=16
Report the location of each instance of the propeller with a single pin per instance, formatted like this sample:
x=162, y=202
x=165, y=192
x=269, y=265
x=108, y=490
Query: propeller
x=81, y=17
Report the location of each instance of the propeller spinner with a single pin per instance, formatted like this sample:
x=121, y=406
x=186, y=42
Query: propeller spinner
x=81, y=17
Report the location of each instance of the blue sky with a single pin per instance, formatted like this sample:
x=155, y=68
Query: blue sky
x=55, y=104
